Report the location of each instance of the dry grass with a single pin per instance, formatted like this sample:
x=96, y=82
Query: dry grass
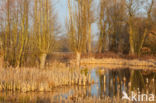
x=122, y=62
x=118, y=56
x=34, y=79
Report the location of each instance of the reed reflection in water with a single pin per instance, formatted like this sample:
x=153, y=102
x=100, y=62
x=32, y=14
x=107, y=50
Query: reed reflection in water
x=106, y=84
x=113, y=82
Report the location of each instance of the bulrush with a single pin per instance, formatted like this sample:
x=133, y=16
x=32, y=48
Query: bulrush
x=56, y=83
x=5, y=86
x=33, y=87
x=153, y=80
x=151, y=85
x=124, y=80
x=76, y=80
x=32, y=79
x=1, y=87
x=11, y=85
x=72, y=81
x=28, y=87
x=80, y=81
x=18, y=86
x=89, y=79
x=118, y=90
x=147, y=80
x=84, y=80
x=14, y=87
x=129, y=86
x=8, y=86
x=47, y=88
x=41, y=87
x=23, y=88
x=92, y=81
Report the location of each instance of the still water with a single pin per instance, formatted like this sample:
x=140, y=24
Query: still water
x=105, y=83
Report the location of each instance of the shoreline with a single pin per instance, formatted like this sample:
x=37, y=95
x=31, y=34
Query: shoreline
x=119, y=62
x=34, y=79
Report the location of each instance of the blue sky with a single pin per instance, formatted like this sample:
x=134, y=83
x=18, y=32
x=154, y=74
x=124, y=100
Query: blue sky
x=62, y=10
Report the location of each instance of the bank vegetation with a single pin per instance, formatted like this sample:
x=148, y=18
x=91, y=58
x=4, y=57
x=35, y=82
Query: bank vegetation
x=30, y=30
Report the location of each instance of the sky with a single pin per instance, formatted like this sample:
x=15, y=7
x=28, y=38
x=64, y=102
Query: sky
x=62, y=10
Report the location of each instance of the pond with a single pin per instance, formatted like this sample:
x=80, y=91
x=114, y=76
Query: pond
x=106, y=83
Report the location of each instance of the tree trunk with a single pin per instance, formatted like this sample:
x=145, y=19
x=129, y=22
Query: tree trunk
x=89, y=39
x=78, y=58
x=142, y=41
x=131, y=41
x=42, y=60
x=1, y=62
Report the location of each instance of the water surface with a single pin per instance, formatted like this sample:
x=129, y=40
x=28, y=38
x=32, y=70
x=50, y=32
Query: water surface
x=106, y=83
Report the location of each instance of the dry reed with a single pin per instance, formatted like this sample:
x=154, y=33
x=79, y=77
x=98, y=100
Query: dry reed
x=34, y=79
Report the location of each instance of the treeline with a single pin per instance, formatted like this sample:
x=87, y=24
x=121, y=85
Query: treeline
x=28, y=28
x=126, y=24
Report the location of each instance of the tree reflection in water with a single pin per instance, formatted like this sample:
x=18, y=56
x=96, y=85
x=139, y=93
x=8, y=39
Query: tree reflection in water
x=107, y=83
x=113, y=82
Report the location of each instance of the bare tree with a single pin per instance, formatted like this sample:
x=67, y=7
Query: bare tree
x=102, y=26
x=111, y=23
x=80, y=20
x=133, y=8
x=15, y=30
x=44, y=22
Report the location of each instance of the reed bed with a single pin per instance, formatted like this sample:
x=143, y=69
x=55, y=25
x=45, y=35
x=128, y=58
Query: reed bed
x=34, y=79
x=60, y=81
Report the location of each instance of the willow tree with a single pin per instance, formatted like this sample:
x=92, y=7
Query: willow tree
x=131, y=13
x=133, y=7
x=102, y=42
x=147, y=26
x=7, y=32
x=23, y=33
x=80, y=19
x=15, y=30
x=90, y=19
x=43, y=28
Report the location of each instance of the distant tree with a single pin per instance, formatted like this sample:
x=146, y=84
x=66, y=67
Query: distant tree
x=151, y=37
x=133, y=7
x=62, y=44
x=102, y=42
x=112, y=25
